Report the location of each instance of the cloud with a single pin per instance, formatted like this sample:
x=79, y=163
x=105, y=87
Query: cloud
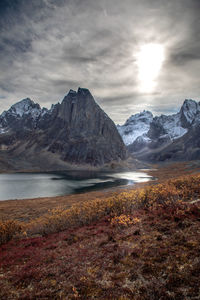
x=48, y=47
x=184, y=58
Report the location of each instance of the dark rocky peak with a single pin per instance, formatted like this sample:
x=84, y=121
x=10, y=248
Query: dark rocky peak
x=84, y=131
x=156, y=127
x=189, y=104
x=77, y=107
x=81, y=95
x=83, y=91
x=72, y=92
x=53, y=108
x=76, y=131
x=73, y=109
x=188, y=112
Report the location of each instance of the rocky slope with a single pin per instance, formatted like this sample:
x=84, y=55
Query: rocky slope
x=75, y=131
x=172, y=137
x=136, y=126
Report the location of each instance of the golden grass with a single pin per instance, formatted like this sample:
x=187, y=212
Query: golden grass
x=28, y=209
x=8, y=229
x=167, y=194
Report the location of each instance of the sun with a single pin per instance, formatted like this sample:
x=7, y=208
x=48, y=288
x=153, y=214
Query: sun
x=149, y=61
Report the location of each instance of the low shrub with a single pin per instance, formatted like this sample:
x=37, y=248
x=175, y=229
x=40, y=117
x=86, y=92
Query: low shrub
x=168, y=194
x=123, y=221
x=9, y=229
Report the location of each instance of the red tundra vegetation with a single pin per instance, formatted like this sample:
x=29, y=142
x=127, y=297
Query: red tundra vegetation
x=139, y=244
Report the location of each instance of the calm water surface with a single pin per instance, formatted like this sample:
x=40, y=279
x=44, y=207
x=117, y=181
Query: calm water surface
x=32, y=185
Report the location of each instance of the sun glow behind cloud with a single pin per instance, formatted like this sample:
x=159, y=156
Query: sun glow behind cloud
x=149, y=61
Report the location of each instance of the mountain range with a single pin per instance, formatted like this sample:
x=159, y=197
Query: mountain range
x=166, y=137
x=75, y=132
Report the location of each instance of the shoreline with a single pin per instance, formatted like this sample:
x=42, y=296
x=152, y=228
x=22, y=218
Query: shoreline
x=29, y=209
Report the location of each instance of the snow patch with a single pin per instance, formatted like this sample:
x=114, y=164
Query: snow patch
x=25, y=107
x=3, y=130
x=172, y=126
x=137, y=125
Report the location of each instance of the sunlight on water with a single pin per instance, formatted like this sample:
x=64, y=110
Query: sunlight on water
x=133, y=176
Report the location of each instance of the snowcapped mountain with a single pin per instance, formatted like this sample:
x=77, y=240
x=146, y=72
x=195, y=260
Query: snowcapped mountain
x=25, y=107
x=144, y=134
x=24, y=113
x=166, y=127
x=137, y=125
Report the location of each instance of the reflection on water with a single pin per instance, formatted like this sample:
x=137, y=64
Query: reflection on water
x=33, y=185
x=133, y=177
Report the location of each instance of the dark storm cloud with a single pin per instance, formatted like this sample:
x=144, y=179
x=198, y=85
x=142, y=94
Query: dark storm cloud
x=115, y=99
x=48, y=47
x=62, y=82
x=184, y=58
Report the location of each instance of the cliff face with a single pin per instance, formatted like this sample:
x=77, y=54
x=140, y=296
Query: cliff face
x=77, y=131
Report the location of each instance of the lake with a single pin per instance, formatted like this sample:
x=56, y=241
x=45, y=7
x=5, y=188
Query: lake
x=34, y=185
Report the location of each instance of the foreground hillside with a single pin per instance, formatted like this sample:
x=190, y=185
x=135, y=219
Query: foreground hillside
x=139, y=244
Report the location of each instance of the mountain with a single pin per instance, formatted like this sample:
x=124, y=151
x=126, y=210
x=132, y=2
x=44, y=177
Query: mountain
x=23, y=114
x=137, y=125
x=165, y=137
x=74, y=132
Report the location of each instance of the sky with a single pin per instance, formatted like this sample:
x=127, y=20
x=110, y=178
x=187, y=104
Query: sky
x=133, y=55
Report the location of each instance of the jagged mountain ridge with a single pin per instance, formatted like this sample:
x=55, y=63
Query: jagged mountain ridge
x=75, y=131
x=137, y=125
x=24, y=113
x=165, y=137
